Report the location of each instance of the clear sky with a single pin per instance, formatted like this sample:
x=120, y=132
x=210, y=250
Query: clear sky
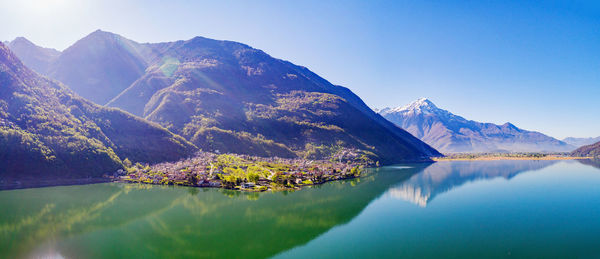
x=533, y=63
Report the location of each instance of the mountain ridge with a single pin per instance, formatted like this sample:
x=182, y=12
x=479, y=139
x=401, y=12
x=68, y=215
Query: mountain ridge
x=37, y=58
x=452, y=133
x=99, y=66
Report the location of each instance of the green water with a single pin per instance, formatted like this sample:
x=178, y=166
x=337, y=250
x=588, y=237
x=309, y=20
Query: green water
x=487, y=209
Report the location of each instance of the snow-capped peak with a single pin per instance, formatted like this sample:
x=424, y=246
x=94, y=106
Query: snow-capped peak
x=418, y=104
x=421, y=105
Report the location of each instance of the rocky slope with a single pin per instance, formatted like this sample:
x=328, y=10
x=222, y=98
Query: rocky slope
x=47, y=132
x=452, y=133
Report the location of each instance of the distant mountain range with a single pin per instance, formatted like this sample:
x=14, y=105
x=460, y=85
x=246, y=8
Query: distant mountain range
x=46, y=131
x=579, y=142
x=226, y=96
x=451, y=133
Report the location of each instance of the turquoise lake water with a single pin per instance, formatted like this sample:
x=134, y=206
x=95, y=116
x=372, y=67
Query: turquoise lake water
x=460, y=209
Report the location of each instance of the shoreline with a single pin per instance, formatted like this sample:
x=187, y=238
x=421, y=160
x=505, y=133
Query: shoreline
x=495, y=158
x=17, y=185
x=238, y=188
x=24, y=184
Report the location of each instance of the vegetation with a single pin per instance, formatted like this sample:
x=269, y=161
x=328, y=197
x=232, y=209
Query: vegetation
x=230, y=98
x=47, y=132
x=223, y=97
x=244, y=172
x=592, y=150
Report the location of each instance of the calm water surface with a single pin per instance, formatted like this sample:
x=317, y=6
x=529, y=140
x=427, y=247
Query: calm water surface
x=483, y=209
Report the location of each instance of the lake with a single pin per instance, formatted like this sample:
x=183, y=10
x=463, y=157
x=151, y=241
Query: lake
x=459, y=209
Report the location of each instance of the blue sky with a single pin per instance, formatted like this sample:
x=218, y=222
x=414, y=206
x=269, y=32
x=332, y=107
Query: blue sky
x=533, y=63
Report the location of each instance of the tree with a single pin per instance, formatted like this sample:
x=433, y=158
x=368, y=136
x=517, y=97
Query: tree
x=278, y=178
x=192, y=179
x=253, y=177
x=259, y=170
x=234, y=171
x=355, y=171
x=317, y=177
x=230, y=181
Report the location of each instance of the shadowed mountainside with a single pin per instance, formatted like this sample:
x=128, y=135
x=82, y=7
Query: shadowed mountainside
x=99, y=66
x=36, y=57
x=47, y=132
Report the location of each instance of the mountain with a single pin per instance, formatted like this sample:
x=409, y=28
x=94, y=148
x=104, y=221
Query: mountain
x=36, y=57
x=592, y=150
x=452, y=133
x=579, y=142
x=229, y=97
x=48, y=132
x=99, y=66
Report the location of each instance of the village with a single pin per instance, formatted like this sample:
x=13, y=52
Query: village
x=241, y=172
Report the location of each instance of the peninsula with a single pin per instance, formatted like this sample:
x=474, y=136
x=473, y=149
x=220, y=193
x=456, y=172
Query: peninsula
x=243, y=172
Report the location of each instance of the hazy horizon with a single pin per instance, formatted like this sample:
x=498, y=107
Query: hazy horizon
x=534, y=65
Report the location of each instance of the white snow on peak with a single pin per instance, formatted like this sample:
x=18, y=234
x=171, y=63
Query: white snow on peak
x=421, y=105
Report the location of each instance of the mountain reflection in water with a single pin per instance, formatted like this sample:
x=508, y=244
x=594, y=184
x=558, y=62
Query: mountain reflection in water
x=552, y=212
x=591, y=162
x=441, y=177
x=144, y=221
